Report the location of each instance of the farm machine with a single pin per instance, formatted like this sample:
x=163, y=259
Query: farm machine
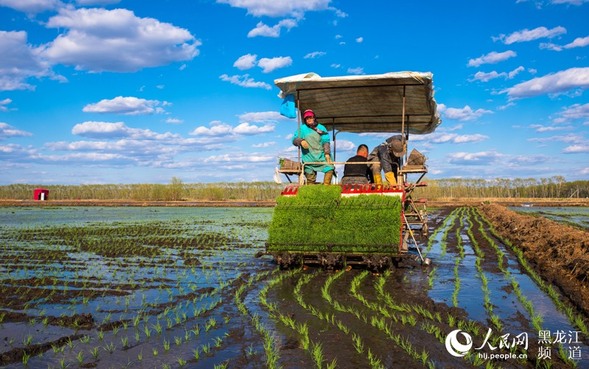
x=375, y=225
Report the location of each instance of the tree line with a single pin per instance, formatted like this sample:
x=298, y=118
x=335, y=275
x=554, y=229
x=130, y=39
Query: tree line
x=552, y=187
x=176, y=190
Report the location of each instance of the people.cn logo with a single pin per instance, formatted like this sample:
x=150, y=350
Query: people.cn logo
x=456, y=348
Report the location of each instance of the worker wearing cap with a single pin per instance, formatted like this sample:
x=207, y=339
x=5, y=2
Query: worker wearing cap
x=387, y=156
x=313, y=140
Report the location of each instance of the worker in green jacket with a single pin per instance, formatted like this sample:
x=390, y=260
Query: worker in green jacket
x=313, y=140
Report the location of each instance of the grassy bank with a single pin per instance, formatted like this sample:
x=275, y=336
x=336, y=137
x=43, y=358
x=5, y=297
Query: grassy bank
x=176, y=190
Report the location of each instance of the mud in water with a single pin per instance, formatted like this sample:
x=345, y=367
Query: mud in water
x=62, y=306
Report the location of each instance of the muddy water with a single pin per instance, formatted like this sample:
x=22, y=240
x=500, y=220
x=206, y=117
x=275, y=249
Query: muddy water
x=215, y=305
x=459, y=283
x=576, y=216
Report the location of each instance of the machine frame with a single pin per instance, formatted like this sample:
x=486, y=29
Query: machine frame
x=393, y=103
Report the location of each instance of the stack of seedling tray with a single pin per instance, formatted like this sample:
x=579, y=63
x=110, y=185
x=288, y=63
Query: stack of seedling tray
x=318, y=220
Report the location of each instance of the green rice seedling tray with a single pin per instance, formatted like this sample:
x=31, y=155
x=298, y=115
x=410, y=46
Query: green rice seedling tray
x=319, y=219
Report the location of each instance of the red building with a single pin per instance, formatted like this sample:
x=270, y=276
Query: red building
x=41, y=194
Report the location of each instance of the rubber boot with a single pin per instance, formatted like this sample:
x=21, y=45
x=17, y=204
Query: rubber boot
x=327, y=178
x=391, y=179
x=311, y=177
x=377, y=178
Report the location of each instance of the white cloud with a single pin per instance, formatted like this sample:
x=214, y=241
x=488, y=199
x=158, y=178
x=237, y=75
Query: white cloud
x=442, y=137
x=550, y=46
x=89, y=158
x=220, y=129
x=261, y=116
x=339, y=13
x=16, y=153
x=474, y=158
x=515, y=72
x=576, y=149
x=470, y=138
x=570, y=139
x=360, y=40
x=270, y=64
x=96, y=2
x=32, y=6
x=87, y=145
x=463, y=114
x=357, y=70
x=174, y=121
x=259, y=8
x=533, y=34
x=101, y=129
x=571, y=2
x=556, y=83
x=19, y=62
x=4, y=103
x=315, y=54
x=491, y=58
x=346, y=146
x=486, y=77
x=121, y=145
x=8, y=131
x=263, y=145
x=244, y=81
x=264, y=30
x=541, y=128
x=137, y=147
x=525, y=161
x=217, y=128
x=246, y=61
x=113, y=144
x=126, y=105
x=240, y=157
x=250, y=129
x=572, y=113
x=116, y=40
x=578, y=42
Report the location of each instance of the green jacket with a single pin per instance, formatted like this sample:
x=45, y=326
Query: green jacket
x=319, y=145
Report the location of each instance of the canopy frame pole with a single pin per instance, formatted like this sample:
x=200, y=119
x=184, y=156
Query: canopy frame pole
x=404, y=134
x=403, y=112
x=333, y=138
x=302, y=178
x=298, y=124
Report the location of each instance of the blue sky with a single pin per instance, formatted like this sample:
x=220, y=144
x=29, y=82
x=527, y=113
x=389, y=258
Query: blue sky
x=107, y=91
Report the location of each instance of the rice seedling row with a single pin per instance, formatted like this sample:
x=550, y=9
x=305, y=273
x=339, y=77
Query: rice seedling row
x=505, y=292
x=187, y=291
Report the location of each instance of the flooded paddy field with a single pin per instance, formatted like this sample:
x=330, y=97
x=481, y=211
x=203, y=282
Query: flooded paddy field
x=132, y=287
x=574, y=216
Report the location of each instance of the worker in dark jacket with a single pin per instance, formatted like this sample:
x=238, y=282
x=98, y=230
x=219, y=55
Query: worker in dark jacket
x=357, y=173
x=387, y=156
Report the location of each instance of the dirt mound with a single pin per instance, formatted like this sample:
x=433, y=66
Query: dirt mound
x=558, y=252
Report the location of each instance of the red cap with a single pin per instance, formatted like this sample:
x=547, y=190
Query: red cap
x=308, y=113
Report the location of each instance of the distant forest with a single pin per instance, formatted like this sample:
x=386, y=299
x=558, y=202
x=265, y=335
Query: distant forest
x=176, y=190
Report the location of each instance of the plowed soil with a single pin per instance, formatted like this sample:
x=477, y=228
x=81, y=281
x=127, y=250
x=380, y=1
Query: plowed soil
x=559, y=253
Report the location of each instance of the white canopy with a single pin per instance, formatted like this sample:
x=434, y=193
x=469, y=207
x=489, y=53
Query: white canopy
x=367, y=103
